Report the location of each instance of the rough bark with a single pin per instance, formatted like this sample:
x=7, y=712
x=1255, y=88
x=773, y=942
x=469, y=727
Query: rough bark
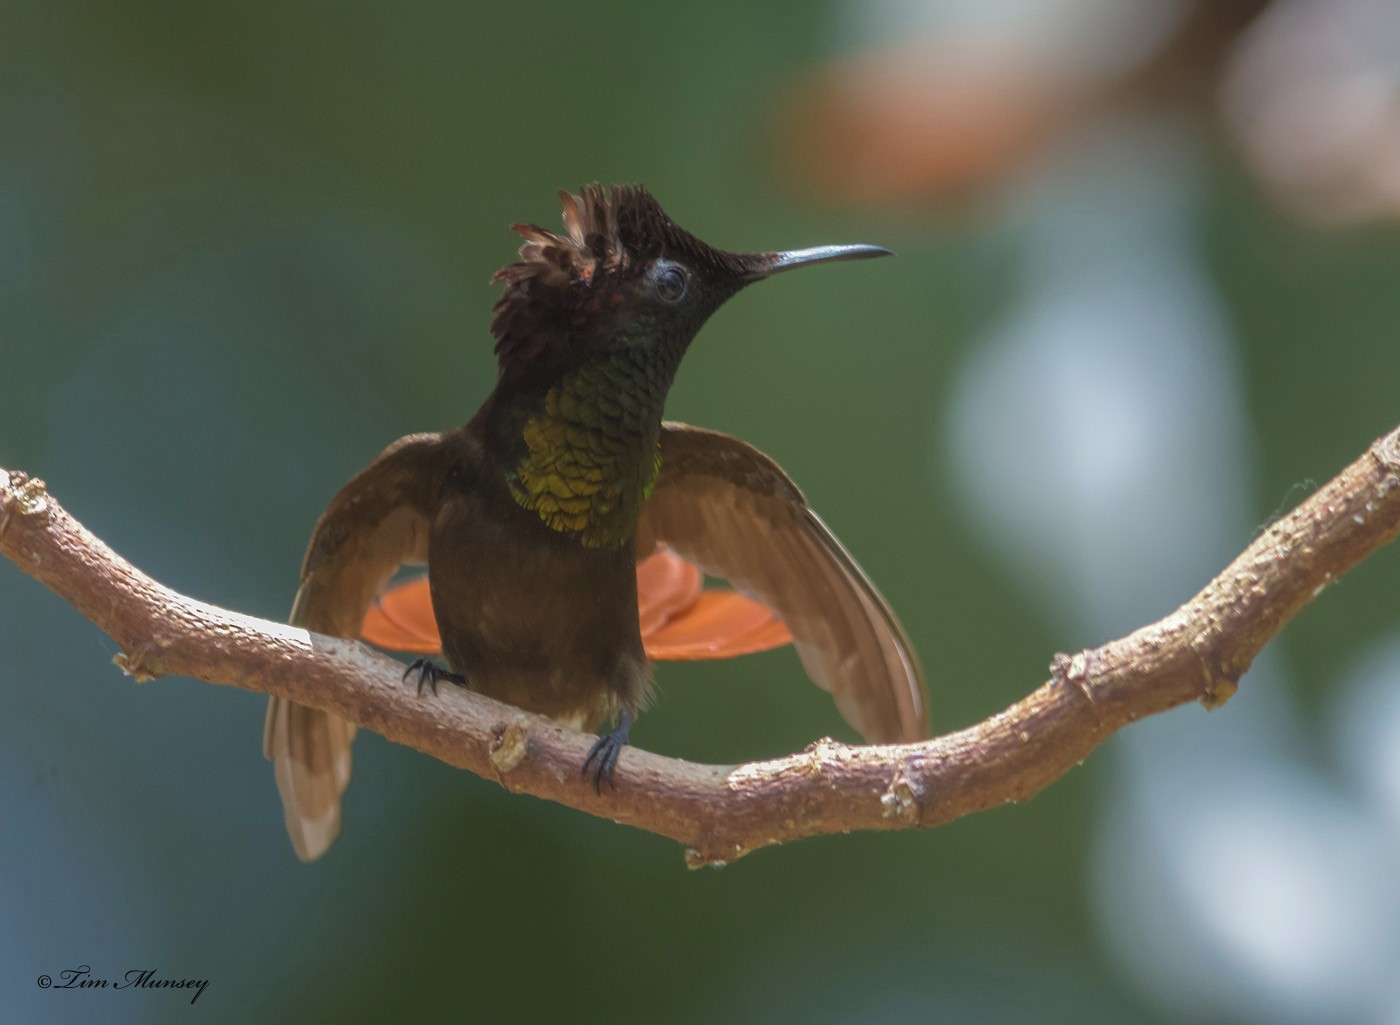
x=1198, y=653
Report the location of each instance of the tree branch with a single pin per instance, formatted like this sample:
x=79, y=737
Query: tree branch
x=720, y=813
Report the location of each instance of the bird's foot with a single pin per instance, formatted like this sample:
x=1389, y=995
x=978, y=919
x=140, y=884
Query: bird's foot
x=430, y=674
x=605, y=751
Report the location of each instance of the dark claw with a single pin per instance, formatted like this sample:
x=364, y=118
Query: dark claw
x=606, y=750
x=431, y=674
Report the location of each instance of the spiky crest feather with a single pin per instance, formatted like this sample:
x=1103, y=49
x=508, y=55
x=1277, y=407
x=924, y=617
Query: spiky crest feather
x=559, y=281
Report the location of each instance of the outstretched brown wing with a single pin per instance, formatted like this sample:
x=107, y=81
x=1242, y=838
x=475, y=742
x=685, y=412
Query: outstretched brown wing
x=731, y=510
x=377, y=522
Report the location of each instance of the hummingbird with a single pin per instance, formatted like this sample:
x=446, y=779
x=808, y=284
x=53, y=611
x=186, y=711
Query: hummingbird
x=535, y=519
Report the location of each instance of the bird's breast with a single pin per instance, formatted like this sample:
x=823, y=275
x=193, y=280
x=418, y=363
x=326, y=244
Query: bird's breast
x=530, y=616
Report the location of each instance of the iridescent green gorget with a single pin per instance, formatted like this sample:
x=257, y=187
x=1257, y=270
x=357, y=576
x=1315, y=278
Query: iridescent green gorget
x=592, y=458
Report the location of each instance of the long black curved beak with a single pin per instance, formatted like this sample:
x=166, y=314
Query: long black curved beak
x=762, y=265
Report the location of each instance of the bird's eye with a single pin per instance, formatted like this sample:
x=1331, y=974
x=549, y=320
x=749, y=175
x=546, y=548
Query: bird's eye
x=669, y=280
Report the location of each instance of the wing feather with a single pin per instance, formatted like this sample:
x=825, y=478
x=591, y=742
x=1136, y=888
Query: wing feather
x=377, y=522
x=728, y=508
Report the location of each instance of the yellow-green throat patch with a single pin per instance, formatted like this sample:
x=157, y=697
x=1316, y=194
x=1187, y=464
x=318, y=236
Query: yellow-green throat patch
x=591, y=456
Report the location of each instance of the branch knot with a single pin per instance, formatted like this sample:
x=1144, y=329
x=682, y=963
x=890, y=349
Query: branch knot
x=1073, y=670
x=136, y=664
x=509, y=745
x=901, y=799
x=1387, y=454
x=21, y=494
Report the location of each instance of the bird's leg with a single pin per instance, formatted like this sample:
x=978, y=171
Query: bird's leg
x=606, y=749
x=430, y=674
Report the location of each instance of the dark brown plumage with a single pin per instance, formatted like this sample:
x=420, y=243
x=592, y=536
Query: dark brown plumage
x=533, y=516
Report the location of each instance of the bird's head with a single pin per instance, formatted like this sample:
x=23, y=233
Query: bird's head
x=622, y=275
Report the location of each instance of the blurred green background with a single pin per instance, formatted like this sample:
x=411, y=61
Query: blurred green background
x=244, y=247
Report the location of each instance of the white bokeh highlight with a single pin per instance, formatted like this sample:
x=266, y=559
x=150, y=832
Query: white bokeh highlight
x=1100, y=443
